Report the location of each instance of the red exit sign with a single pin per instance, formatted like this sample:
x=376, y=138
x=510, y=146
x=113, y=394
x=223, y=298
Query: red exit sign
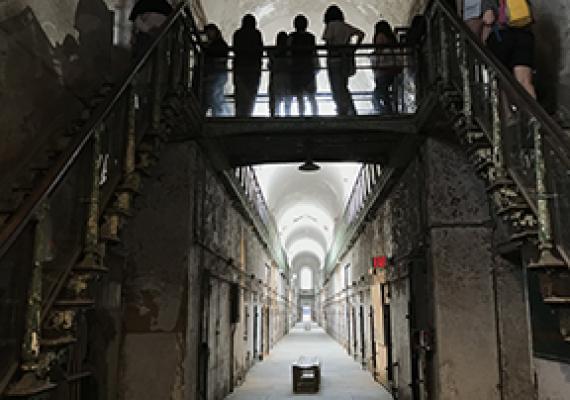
x=380, y=262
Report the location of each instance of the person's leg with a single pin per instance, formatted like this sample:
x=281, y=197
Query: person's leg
x=300, y=103
x=253, y=89
x=475, y=25
x=249, y=86
x=390, y=103
x=239, y=94
x=376, y=98
x=278, y=102
x=488, y=21
x=382, y=96
x=218, y=99
x=287, y=99
x=336, y=82
x=523, y=58
x=313, y=102
x=208, y=99
x=347, y=97
x=272, y=97
x=524, y=76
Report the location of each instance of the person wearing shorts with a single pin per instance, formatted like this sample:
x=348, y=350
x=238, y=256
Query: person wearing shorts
x=514, y=47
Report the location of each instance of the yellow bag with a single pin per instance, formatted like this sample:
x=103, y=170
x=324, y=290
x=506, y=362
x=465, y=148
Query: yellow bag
x=518, y=13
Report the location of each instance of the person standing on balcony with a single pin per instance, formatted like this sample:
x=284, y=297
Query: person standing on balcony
x=280, y=77
x=479, y=17
x=215, y=70
x=385, y=64
x=248, y=52
x=305, y=64
x=340, y=62
x=147, y=17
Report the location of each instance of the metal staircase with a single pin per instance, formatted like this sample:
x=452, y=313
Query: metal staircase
x=51, y=253
x=515, y=146
x=59, y=217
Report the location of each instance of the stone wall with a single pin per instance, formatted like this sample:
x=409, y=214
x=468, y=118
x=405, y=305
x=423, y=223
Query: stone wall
x=552, y=30
x=444, y=306
x=193, y=298
x=53, y=57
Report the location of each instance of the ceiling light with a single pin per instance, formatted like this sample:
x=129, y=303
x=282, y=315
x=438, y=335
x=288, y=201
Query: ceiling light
x=309, y=166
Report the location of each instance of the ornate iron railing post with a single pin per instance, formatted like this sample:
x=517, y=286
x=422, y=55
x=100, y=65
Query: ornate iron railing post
x=546, y=257
x=35, y=366
x=466, y=80
x=132, y=179
x=173, y=57
x=497, y=140
x=444, y=50
x=149, y=146
x=93, y=251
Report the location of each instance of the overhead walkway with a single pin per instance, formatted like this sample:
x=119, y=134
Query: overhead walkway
x=99, y=163
x=342, y=378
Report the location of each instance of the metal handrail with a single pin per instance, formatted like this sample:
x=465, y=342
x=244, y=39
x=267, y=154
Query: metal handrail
x=538, y=169
x=244, y=181
x=85, y=147
x=555, y=134
x=57, y=172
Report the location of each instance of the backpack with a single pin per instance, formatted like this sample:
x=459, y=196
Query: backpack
x=515, y=13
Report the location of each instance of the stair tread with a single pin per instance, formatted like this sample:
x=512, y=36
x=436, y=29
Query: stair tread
x=557, y=300
x=74, y=303
x=58, y=341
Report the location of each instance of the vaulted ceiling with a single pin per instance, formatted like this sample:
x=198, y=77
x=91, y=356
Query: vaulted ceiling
x=306, y=207
x=276, y=15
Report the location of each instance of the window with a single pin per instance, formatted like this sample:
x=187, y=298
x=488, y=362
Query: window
x=306, y=278
x=347, y=276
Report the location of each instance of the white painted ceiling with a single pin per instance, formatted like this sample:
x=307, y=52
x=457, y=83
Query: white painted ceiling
x=306, y=206
x=277, y=15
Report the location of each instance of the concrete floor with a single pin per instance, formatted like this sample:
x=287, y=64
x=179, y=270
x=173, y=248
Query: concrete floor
x=342, y=377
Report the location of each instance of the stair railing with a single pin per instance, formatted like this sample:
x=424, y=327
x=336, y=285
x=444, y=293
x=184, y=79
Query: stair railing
x=245, y=185
x=371, y=179
x=528, y=146
x=53, y=245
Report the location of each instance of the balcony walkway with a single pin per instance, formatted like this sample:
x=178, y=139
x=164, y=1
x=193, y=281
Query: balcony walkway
x=342, y=377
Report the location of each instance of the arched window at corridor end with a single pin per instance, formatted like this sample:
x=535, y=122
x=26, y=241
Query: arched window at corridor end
x=306, y=278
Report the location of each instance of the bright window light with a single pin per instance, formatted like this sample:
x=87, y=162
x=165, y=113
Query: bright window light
x=306, y=278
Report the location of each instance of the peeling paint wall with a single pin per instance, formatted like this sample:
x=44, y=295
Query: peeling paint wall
x=552, y=30
x=182, y=321
x=441, y=284
x=53, y=57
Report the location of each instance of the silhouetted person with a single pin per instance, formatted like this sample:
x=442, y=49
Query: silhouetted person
x=304, y=64
x=340, y=62
x=280, y=78
x=385, y=67
x=147, y=16
x=215, y=70
x=414, y=38
x=248, y=50
x=417, y=32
